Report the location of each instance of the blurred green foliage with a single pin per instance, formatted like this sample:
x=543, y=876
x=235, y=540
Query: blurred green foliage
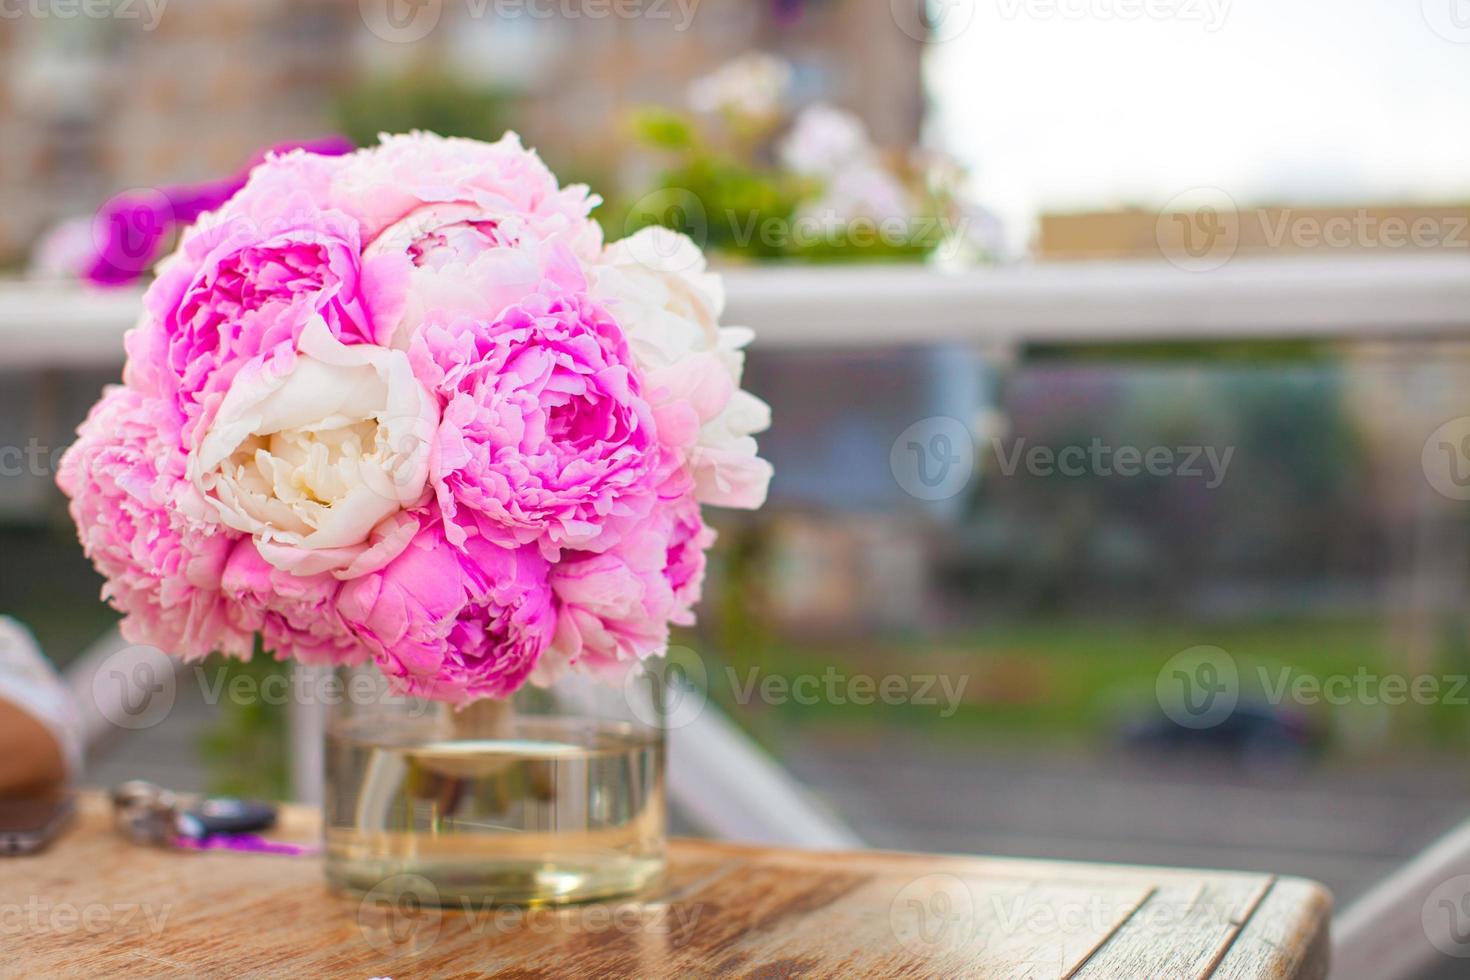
x=423, y=99
x=721, y=204
x=723, y=194
x=246, y=750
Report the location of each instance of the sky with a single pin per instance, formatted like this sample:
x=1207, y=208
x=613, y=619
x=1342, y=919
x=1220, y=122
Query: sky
x=1084, y=104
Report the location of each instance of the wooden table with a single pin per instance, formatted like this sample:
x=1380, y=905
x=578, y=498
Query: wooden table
x=97, y=906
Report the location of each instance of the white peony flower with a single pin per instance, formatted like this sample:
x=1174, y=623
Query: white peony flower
x=656, y=286
x=316, y=452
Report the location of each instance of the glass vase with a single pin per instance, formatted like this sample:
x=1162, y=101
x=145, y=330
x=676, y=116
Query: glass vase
x=553, y=795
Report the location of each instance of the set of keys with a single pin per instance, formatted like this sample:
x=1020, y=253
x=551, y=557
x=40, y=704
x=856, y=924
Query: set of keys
x=149, y=814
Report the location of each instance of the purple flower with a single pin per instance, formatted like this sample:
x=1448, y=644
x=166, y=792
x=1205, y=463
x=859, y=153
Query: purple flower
x=131, y=228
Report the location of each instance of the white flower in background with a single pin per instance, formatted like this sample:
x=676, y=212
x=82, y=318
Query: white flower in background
x=754, y=85
x=825, y=140
x=65, y=251
x=866, y=191
x=656, y=286
x=311, y=452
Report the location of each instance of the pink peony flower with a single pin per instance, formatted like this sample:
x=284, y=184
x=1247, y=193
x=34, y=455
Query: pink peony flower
x=163, y=571
x=614, y=608
x=479, y=223
x=250, y=278
x=545, y=437
x=450, y=623
x=501, y=195
x=689, y=539
x=402, y=405
x=296, y=615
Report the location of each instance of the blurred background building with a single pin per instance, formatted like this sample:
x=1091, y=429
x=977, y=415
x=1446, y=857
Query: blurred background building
x=93, y=107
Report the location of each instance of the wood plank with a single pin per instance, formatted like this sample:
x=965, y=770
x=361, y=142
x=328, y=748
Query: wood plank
x=1182, y=931
x=97, y=906
x=1279, y=933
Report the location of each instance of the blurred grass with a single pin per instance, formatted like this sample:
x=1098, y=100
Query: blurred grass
x=1078, y=681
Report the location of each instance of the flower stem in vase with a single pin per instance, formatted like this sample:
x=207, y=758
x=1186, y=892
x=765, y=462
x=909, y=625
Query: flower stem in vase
x=488, y=718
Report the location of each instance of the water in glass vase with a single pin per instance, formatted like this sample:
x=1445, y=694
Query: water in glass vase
x=549, y=810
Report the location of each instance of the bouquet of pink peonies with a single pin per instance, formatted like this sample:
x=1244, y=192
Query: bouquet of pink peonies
x=404, y=406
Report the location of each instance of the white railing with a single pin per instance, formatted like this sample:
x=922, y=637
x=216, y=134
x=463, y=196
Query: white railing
x=852, y=306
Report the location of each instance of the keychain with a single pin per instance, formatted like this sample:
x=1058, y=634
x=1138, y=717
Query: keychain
x=149, y=814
